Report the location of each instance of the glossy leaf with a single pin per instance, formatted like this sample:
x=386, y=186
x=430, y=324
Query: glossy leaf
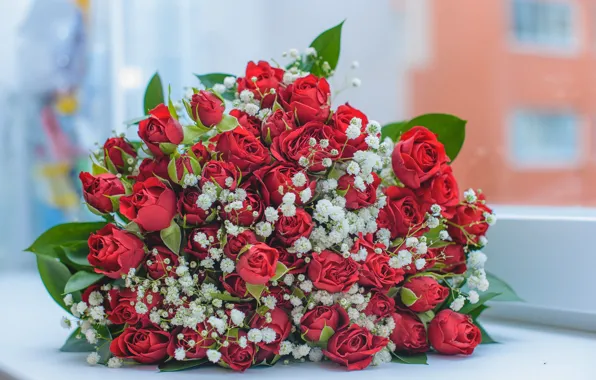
x=81, y=280
x=54, y=276
x=326, y=333
x=486, y=339
x=172, y=237
x=408, y=297
x=153, y=94
x=61, y=234
x=227, y=123
x=328, y=47
x=209, y=80
x=74, y=344
x=175, y=365
x=255, y=290
x=497, y=285
x=393, y=130
x=484, y=297
x=280, y=270
x=410, y=359
x=77, y=252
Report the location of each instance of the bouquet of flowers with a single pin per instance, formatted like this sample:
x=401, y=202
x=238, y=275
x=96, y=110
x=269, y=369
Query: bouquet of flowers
x=284, y=229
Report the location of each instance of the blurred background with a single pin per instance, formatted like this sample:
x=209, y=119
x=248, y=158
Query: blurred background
x=522, y=72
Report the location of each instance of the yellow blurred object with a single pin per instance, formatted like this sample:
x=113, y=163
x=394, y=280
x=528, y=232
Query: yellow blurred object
x=67, y=104
x=83, y=4
x=61, y=191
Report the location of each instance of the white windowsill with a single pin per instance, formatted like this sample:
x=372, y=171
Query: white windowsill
x=31, y=338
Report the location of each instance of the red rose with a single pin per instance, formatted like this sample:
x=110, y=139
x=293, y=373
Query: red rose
x=143, y=345
x=184, y=166
x=472, y=220
x=152, y=205
x=113, y=252
x=236, y=357
x=442, y=190
x=409, y=334
x=201, y=239
x=241, y=148
x=332, y=272
x=417, y=157
x=219, y=172
x=453, y=257
x=429, y=293
x=160, y=128
x=451, y=333
x=272, y=178
x=117, y=149
x=158, y=268
x=87, y=292
x=308, y=98
x=402, y=214
x=288, y=229
x=188, y=209
x=250, y=213
x=234, y=284
x=341, y=121
x=315, y=320
x=97, y=188
x=258, y=264
x=295, y=264
x=276, y=123
x=250, y=123
x=356, y=198
x=380, y=304
x=122, y=306
x=153, y=167
x=354, y=347
x=196, y=351
x=291, y=145
x=280, y=323
x=376, y=272
x=200, y=152
x=279, y=292
x=235, y=244
x=267, y=78
x=207, y=108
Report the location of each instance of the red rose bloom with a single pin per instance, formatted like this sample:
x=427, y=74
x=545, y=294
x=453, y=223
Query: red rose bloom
x=201, y=239
x=152, y=205
x=117, y=149
x=278, y=292
x=218, y=172
x=451, y=333
x=402, y=213
x=200, y=152
x=122, y=307
x=380, y=304
x=291, y=145
x=234, y=284
x=308, y=98
x=184, y=165
x=250, y=123
x=409, y=334
x=113, y=252
x=453, y=257
x=241, y=148
x=250, y=213
x=280, y=323
x=277, y=123
x=332, y=272
x=442, y=190
x=268, y=78
x=258, y=264
x=235, y=244
x=196, y=351
x=354, y=347
x=153, y=167
x=188, y=209
x=314, y=321
x=295, y=264
x=160, y=128
x=97, y=188
x=288, y=229
x=417, y=157
x=144, y=345
x=429, y=293
x=376, y=272
x=355, y=198
x=341, y=121
x=236, y=357
x=271, y=178
x=207, y=108
x=158, y=268
x=471, y=218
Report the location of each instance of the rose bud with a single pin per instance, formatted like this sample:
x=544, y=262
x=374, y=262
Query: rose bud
x=454, y=259
x=143, y=345
x=236, y=357
x=188, y=208
x=280, y=324
x=417, y=157
x=242, y=149
x=201, y=239
x=152, y=205
x=285, y=176
x=118, y=151
x=160, y=131
x=357, y=198
x=288, y=229
x=268, y=78
x=276, y=123
x=207, y=108
x=158, y=268
x=332, y=272
x=200, y=152
x=196, y=351
x=113, y=252
x=452, y=333
x=421, y=294
x=380, y=305
x=409, y=334
x=153, y=167
x=441, y=190
x=315, y=320
x=472, y=220
x=122, y=307
x=224, y=174
x=250, y=123
x=250, y=213
x=235, y=244
x=258, y=264
x=234, y=284
x=354, y=347
x=308, y=98
x=97, y=188
x=185, y=165
x=402, y=213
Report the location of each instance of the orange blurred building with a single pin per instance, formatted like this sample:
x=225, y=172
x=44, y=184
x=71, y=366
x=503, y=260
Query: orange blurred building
x=523, y=73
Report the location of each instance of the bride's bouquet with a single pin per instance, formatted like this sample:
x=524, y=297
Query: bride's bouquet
x=254, y=222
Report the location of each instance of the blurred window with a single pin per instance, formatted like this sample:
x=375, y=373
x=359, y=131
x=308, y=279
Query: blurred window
x=543, y=23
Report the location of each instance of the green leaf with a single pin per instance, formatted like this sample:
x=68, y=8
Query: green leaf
x=171, y=107
x=153, y=94
x=54, y=276
x=209, y=80
x=81, y=280
x=193, y=133
x=280, y=270
x=135, y=121
x=167, y=148
x=484, y=297
x=408, y=297
x=474, y=314
x=392, y=292
x=77, y=252
x=172, y=237
x=61, y=234
x=74, y=344
x=486, y=339
x=97, y=169
x=328, y=46
x=172, y=173
x=175, y=365
x=227, y=123
x=499, y=286
x=225, y=297
x=410, y=359
x=326, y=333
x=255, y=290
x=393, y=130
x=104, y=352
